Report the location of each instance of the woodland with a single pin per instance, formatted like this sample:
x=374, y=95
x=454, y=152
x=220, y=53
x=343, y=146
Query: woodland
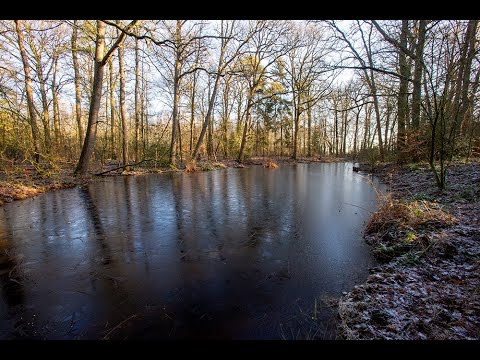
x=168, y=93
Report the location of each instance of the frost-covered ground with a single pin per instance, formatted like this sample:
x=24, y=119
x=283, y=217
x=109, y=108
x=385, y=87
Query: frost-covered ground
x=433, y=290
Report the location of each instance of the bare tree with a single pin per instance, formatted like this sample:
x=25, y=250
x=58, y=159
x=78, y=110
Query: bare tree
x=403, y=92
x=265, y=48
x=28, y=90
x=123, y=112
x=307, y=69
x=101, y=60
x=137, y=98
x=417, y=75
x=368, y=69
x=78, y=94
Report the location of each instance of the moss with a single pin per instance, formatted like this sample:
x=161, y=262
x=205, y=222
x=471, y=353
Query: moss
x=410, y=237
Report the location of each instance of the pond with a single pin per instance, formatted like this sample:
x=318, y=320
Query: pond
x=249, y=253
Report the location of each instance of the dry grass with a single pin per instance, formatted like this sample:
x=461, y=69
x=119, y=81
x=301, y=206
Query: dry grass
x=219, y=165
x=24, y=181
x=401, y=227
x=405, y=215
x=191, y=166
x=209, y=165
x=347, y=312
x=271, y=164
x=10, y=192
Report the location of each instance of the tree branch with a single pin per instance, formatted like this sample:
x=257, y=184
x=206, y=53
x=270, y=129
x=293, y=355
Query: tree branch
x=393, y=41
x=388, y=72
x=119, y=41
x=139, y=37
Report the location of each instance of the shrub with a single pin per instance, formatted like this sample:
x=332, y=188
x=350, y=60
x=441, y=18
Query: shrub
x=191, y=166
x=271, y=164
x=404, y=215
x=206, y=166
x=219, y=165
x=397, y=227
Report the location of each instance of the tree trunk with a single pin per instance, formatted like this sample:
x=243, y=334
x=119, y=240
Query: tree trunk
x=403, y=93
x=91, y=133
x=226, y=115
x=470, y=39
x=295, y=135
x=179, y=139
x=387, y=124
x=144, y=115
x=340, y=133
x=373, y=88
x=207, y=121
x=355, y=134
x=366, y=131
x=192, y=112
x=211, y=102
x=335, y=125
x=137, y=110
x=296, y=121
x=377, y=116
x=345, y=129
x=78, y=94
x=45, y=113
x=56, y=115
x=176, y=92
x=245, y=128
x=391, y=139
x=210, y=139
x=123, y=113
x=309, y=133
x=417, y=77
x=462, y=82
x=112, y=109
x=28, y=90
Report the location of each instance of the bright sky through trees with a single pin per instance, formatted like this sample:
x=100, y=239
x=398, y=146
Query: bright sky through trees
x=272, y=86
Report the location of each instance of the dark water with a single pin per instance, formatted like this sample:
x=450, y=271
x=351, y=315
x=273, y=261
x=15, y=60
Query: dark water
x=237, y=253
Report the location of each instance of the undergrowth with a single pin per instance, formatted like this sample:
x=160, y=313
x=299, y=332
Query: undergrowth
x=191, y=166
x=400, y=226
x=270, y=164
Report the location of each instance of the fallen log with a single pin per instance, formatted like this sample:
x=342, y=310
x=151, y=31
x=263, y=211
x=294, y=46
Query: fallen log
x=123, y=167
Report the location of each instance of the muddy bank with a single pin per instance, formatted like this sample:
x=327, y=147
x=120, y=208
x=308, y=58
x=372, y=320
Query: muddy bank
x=428, y=285
x=25, y=181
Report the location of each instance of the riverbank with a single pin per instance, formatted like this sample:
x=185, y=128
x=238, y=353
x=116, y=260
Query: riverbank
x=25, y=181
x=428, y=242
x=18, y=182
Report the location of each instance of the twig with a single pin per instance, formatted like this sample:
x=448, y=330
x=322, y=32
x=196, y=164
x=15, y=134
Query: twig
x=11, y=271
x=18, y=282
x=371, y=212
x=118, y=326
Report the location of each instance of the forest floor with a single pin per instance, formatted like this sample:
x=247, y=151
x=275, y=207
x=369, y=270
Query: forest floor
x=428, y=245
x=22, y=181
